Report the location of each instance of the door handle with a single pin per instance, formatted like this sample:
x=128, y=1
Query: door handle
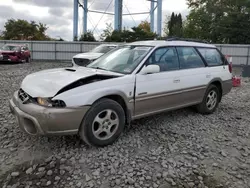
x=177, y=80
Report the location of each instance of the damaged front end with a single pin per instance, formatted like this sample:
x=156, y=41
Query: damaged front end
x=85, y=81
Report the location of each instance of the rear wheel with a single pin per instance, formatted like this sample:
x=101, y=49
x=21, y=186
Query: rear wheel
x=210, y=101
x=28, y=60
x=103, y=123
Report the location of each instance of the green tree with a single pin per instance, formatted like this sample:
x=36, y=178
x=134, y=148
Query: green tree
x=141, y=32
x=173, y=26
x=89, y=36
x=145, y=26
x=24, y=30
x=105, y=36
x=219, y=21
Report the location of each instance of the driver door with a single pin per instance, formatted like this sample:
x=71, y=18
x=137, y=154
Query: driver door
x=157, y=92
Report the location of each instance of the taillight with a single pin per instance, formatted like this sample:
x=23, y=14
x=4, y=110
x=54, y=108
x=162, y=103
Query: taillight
x=230, y=63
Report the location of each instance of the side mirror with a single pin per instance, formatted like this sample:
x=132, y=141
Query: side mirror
x=150, y=69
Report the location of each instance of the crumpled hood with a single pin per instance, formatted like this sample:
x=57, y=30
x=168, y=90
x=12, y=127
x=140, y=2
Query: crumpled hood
x=47, y=83
x=88, y=55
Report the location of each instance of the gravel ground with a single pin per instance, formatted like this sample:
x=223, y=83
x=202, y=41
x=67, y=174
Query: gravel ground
x=175, y=149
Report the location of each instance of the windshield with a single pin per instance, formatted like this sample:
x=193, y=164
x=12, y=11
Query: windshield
x=103, y=49
x=10, y=48
x=122, y=60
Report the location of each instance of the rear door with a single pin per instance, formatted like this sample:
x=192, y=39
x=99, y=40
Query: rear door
x=194, y=76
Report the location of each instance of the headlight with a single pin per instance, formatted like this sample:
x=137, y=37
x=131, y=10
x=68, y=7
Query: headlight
x=44, y=101
x=50, y=103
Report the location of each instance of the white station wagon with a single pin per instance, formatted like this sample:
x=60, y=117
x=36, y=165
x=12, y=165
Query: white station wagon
x=132, y=81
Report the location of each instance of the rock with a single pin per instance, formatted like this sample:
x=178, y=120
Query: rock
x=41, y=169
x=130, y=181
x=15, y=174
x=87, y=177
x=155, y=185
x=79, y=184
x=62, y=172
x=158, y=175
x=57, y=178
x=165, y=185
x=91, y=184
x=200, y=178
x=81, y=161
x=117, y=181
x=50, y=172
x=215, y=164
x=164, y=174
x=48, y=159
x=223, y=153
x=4, y=130
x=29, y=170
x=48, y=183
x=96, y=173
x=191, y=184
x=130, y=170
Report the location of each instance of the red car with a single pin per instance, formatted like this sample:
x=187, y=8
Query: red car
x=15, y=53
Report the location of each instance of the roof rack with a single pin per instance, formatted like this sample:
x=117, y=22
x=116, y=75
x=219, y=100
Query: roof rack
x=186, y=39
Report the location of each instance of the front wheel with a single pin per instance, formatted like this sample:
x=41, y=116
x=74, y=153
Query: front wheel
x=210, y=101
x=103, y=123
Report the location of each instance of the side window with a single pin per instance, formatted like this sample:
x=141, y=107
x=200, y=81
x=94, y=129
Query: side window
x=189, y=58
x=212, y=56
x=166, y=58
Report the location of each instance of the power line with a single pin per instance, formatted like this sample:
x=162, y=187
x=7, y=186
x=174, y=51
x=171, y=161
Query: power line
x=91, y=3
x=89, y=18
x=130, y=13
x=103, y=14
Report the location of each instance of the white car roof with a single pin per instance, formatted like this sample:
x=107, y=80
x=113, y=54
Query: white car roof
x=159, y=43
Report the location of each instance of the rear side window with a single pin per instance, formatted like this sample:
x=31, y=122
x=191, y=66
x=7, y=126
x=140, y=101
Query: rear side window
x=189, y=58
x=211, y=56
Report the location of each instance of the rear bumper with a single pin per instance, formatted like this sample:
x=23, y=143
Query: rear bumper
x=38, y=120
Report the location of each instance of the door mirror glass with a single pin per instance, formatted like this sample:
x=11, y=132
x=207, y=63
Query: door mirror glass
x=150, y=69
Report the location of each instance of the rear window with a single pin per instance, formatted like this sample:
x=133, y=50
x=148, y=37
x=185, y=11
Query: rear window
x=211, y=56
x=189, y=58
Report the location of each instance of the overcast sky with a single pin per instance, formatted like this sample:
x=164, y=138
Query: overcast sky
x=58, y=14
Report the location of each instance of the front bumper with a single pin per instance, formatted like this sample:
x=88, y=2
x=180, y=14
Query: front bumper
x=10, y=58
x=38, y=120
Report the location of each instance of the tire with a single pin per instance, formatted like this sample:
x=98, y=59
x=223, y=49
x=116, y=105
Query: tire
x=103, y=123
x=28, y=60
x=207, y=107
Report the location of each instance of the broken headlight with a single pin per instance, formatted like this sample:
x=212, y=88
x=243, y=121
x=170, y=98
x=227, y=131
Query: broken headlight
x=50, y=103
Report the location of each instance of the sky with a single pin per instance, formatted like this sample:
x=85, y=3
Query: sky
x=58, y=14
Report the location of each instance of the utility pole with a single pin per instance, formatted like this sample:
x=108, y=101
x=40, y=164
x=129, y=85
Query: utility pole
x=118, y=14
x=75, y=21
x=159, y=17
x=85, y=16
